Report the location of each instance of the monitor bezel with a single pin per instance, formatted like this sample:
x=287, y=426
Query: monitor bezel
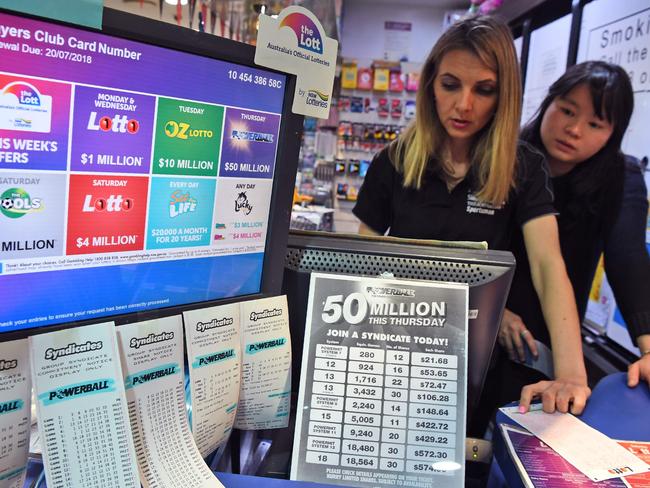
x=465, y=253
x=136, y=28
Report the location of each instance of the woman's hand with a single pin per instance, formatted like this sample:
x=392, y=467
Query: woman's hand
x=639, y=370
x=512, y=333
x=569, y=390
x=561, y=395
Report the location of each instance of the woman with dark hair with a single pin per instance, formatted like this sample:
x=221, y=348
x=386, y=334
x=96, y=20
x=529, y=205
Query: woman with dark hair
x=602, y=205
x=458, y=173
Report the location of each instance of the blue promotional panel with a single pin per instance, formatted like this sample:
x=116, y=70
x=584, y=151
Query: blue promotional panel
x=53, y=297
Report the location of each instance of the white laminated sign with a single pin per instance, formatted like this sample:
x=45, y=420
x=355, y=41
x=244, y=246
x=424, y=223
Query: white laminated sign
x=383, y=383
x=265, y=392
x=296, y=43
x=152, y=357
x=82, y=414
x=214, y=356
x=15, y=412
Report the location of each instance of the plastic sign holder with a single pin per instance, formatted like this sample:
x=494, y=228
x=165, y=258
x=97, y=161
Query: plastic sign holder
x=295, y=43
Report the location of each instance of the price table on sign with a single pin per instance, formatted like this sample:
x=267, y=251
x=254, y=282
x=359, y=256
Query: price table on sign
x=382, y=402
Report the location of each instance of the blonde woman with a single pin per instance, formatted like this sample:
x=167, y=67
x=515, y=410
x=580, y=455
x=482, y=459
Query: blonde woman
x=458, y=173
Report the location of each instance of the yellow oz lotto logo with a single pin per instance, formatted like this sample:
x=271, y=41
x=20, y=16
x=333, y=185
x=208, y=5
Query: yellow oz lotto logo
x=182, y=130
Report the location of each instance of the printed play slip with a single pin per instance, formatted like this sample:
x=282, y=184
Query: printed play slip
x=539, y=466
x=152, y=358
x=83, y=420
x=266, y=372
x=568, y=436
x=15, y=412
x=642, y=451
x=214, y=355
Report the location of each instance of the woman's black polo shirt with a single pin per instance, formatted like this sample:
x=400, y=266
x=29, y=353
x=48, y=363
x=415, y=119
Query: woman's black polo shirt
x=432, y=212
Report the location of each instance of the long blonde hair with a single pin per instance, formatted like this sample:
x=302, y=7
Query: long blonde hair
x=494, y=147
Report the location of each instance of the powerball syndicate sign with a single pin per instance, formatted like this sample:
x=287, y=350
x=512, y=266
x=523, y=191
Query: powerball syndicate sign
x=383, y=385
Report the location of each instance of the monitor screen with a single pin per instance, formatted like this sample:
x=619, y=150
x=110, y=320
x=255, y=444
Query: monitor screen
x=488, y=274
x=132, y=176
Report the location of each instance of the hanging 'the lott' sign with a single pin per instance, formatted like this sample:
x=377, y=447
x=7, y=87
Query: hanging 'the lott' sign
x=295, y=43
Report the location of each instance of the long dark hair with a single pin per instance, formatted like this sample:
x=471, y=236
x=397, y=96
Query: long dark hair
x=595, y=185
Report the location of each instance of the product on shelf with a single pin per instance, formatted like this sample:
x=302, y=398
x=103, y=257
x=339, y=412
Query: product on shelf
x=396, y=108
x=391, y=133
x=368, y=138
x=396, y=82
x=381, y=82
x=342, y=191
x=383, y=110
x=363, y=168
x=356, y=105
x=364, y=79
x=345, y=129
x=349, y=76
x=412, y=81
x=368, y=105
x=358, y=131
x=409, y=109
x=344, y=104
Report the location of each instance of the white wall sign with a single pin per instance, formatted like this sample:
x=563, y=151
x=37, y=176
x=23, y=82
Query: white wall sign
x=619, y=32
x=397, y=40
x=296, y=43
x=547, y=56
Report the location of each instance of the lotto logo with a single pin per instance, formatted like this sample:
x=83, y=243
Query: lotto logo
x=306, y=31
x=106, y=214
x=181, y=203
x=114, y=203
x=25, y=93
x=23, y=107
x=16, y=202
x=117, y=123
x=182, y=130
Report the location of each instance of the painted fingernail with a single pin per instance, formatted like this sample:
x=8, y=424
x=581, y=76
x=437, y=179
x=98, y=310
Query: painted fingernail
x=522, y=409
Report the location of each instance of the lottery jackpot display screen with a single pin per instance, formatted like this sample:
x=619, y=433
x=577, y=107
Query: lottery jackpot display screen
x=132, y=176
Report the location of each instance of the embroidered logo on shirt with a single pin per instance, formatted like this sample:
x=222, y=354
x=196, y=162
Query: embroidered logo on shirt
x=476, y=206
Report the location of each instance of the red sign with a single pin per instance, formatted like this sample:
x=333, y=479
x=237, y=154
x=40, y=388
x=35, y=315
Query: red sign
x=106, y=213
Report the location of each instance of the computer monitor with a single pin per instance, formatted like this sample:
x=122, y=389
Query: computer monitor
x=488, y=274
x=144, y=170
